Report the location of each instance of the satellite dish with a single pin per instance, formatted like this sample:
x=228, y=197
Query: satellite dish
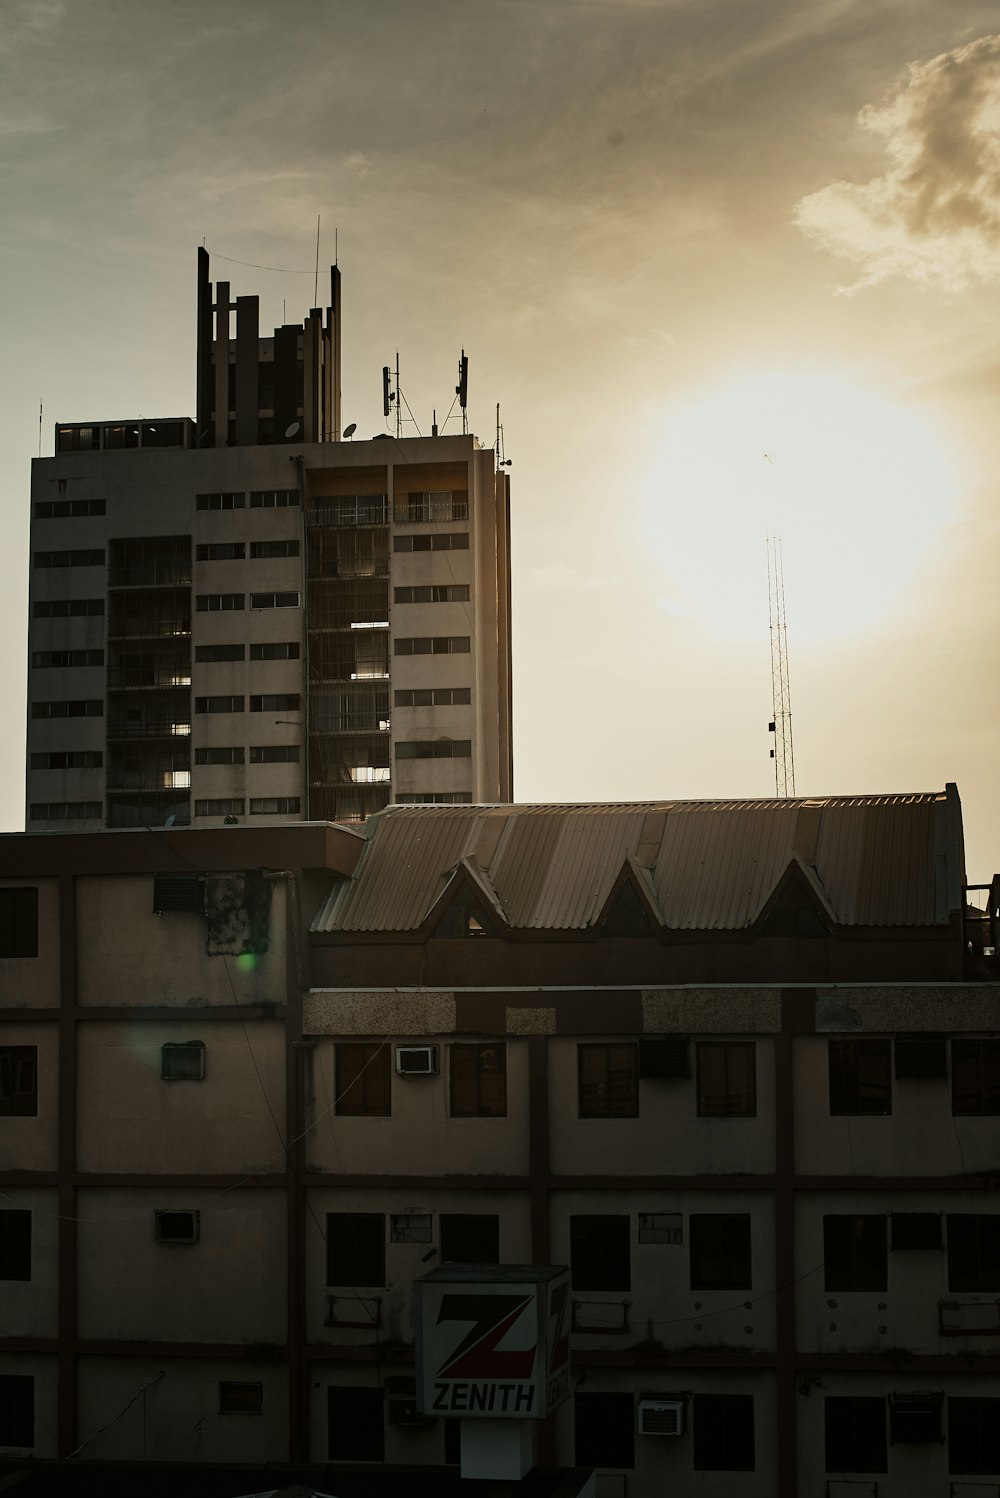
x=293, y=430
x=349, y=431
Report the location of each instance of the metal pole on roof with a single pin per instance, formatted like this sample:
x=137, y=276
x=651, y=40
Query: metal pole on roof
x=781, y=697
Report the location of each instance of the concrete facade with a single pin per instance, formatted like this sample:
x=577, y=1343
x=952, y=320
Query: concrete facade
x=239, y=1242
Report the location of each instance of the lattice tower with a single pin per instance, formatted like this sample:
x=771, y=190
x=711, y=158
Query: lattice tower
x=781, y=700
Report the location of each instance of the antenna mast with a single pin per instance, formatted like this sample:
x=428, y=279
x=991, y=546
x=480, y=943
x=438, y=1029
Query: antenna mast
x=781, y=699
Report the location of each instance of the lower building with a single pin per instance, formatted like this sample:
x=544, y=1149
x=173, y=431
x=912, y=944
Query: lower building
x=734, y=1063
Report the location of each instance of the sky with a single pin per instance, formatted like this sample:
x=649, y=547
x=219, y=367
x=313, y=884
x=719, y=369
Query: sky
x=729, y=266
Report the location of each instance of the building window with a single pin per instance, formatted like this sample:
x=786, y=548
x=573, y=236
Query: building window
x=19, y=922
x=15, y=1244
x=274, y=754
x=275, y=806
x=975, y=1077
x=67, y=608
x=228, y=501
x=433, y=593
x=727, y=1079
x=46, y=660
x=65, y=811
x=446, y=542
x=208, y=653
x=17, y=1409
x=860, y=1077
x=176, y=1227
x=19, y=1080
x=276, y=702
x=973, y=1436
x=605, y=1430
x=241, y=1399
x=67, y=759
x=278, y=650
x=232, y=755
x=93, y=557
x=219, y=603
x=855, y=1434
x=432, y=645
x=470, y=1238
x=75, y=707
x=273, y=499
x=225, y=704
x=723, y=1433
x=63, y=509
x=434, y=697
x=434, y=749
x=608, y=1080
x=434, y=798
x=719, y=1248
x=420, y=508
x=854, y=1252
x=274, y=600
x=362, y=1079
x=355, y=1425
x=220, y=551
x=182, y=1061
x=478, y=1081
x=260, y=549
x=600, y=1252
x=355, y=1248
x=973, y=1251
x=220, y=806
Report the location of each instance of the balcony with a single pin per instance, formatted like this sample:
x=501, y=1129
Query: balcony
x=349, y=511
x=148, y=728
x=139, y=678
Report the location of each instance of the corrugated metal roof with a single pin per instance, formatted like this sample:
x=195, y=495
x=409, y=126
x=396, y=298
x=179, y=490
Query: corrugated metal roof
x=712, y=864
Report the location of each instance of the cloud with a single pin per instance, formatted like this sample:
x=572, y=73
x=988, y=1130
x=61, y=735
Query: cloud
x=934, y=215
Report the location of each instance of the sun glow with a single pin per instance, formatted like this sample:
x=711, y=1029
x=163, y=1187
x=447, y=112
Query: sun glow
x=858, y=487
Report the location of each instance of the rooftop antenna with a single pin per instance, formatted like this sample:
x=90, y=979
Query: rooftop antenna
x=462, y=390
x=502, y=461
x=39, y=428
x=316, y=279
x=781, y=699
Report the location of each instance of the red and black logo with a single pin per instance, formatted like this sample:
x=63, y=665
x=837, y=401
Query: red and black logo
x=477, y=1355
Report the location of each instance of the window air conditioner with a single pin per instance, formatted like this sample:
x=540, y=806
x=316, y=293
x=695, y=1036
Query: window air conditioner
x=661, y=1417
x=416, y=1060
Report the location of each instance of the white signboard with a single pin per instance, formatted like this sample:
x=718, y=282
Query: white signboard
x=492, y=1340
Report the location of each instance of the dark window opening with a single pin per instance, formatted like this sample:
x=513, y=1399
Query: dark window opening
x=605, y=1430
x=719, y=1246
x=628, y=916
x=19, y=922
x=854, y=1252
x=727, y=1079
x=355, y=1248
x=915, y=1229
x=855, y=1434
x=470, y=1238
x=176, y=1227
x=608, y=1080
x=17, y=1409
x=921, y=1056
x=182, y=1061
x=15, y=1244
x=860, y=1077
x=362, y=1080
x=973, y=1252
x=355, y=1425
x=723, y=1433
x=600, y=1252
x=975, y=1077
x=974, y=1436
x=478, y=1077
x=241, y=1398
x=19, y=1080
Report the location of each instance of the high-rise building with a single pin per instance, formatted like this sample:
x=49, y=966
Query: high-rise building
x=255, y=618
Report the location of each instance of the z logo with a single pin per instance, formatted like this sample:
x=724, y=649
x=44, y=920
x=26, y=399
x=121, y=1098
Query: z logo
x=476, y=1356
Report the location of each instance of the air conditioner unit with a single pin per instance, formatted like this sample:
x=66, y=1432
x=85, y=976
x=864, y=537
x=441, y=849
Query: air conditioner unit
x=661, y=1417
x=416, y=1060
